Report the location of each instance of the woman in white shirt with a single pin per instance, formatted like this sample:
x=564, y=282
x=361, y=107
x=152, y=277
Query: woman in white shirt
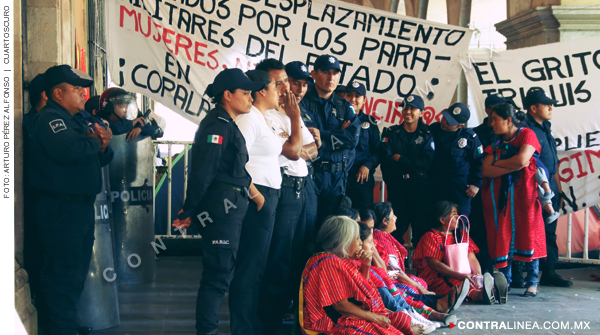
x=264, y=147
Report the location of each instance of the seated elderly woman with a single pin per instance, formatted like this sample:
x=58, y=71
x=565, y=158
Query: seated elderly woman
x=430, y=261
x=395, y=300
x=393, y=254
x=335, y=296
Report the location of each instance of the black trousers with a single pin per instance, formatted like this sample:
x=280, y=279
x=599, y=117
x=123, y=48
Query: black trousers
x=453, y=190
x=284, y=266
x=330, y=190
x=360, y=194
x=411, y=202
x=65, y=227
x=479, y=234
x=310, y=210
x=548, y=264
x=250, y=264
x=220, y=241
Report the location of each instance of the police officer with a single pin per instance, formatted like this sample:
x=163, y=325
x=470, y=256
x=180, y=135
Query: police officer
x=66, y=161
x=300, y=80
x=484, y=131
x=407, y=151
x=339, y=129
x=217, y=192
x=285, y=262
x=37, y=99
x=456, y=169
x=360, y=178
x=478, y=233
x=539, y=114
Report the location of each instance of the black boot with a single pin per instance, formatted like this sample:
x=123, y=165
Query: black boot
x=517, y=275
x=551, y=278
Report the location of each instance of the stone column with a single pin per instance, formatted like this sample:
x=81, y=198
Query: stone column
x=538, y=22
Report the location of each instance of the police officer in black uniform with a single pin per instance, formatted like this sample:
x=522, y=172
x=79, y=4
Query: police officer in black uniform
x=485, y=133
x=32, y=263
x=218, y=186
x=360, y=179
x=407, y=151
x=339, y=129
x=300, y=80
x=539, y=114
x=456, y=170
x=65, y=169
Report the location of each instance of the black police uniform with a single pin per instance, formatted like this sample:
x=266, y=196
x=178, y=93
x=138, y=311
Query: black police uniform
x=478, y=231
x=406, y=179
x=65, y=170
x=310, y=189
x=456, y=164
x=216, y=195
x=367, y=154
x=549, y=157
x=337, y=149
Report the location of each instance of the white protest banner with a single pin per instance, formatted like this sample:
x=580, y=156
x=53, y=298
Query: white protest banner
x=171, y=50
x=570, y=73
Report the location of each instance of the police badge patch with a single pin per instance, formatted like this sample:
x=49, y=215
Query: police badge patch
x=462, y=142
x=410, y=99
x=419, y=140
x=57, y=125
x=365, y=125
x=355, y=84
x=456, y=111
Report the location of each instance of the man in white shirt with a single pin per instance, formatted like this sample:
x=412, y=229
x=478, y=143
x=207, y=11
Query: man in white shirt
x=286, y=258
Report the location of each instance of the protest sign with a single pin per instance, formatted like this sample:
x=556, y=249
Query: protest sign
x=568, y=72
x=171, y=50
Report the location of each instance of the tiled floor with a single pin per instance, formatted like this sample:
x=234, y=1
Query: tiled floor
x=167, y=307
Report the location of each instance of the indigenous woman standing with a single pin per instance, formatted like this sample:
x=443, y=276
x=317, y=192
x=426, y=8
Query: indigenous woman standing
x=264, y=147
x=512, y=212
x=218, y=173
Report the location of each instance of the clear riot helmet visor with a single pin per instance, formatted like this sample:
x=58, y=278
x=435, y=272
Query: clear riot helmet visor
x=125, y=106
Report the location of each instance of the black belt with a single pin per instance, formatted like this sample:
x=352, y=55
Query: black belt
x=68, y=197
x=225, y=186
x=325, y=166
x=264, y=190
x=297, y=183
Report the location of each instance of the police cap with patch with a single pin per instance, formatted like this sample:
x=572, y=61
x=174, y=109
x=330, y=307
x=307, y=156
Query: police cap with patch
x=457, y=114
x=298, y=71
x=415, y=101
x=66, y=74
x=232, y=79
x=327, y=62
x=494, y=99
x=356, y=87
x=538, y=96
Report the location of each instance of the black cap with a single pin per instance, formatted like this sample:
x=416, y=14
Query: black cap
x=298, y=71
x=494, y=99
x=66, y=74
x=538, y=96
x=36, y=86
x=356, y=87
x=340, y=89
x=457, y=114
x=232, y=79
x=415, y=101
x=92, y=103
x=326, y=62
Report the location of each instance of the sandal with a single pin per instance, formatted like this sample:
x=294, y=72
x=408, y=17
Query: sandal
x=530, y=294
x=460, y=296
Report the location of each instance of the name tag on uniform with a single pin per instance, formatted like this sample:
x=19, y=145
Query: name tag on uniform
x=57, y=125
